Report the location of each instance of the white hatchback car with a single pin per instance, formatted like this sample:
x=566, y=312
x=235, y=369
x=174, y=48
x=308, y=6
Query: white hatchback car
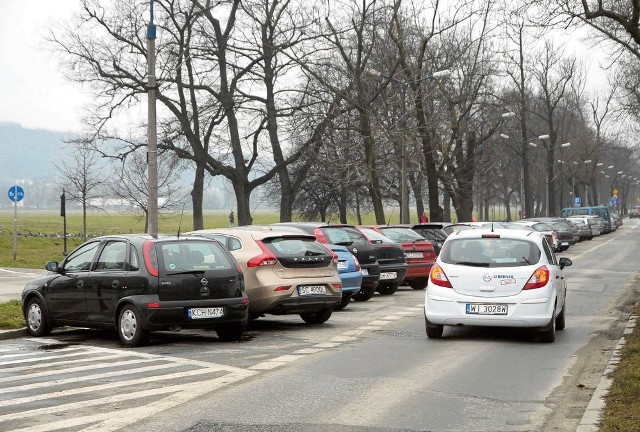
x=502, y=278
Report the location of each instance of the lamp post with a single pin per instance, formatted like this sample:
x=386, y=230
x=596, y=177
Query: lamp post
x=152, y=146
x=404, y=192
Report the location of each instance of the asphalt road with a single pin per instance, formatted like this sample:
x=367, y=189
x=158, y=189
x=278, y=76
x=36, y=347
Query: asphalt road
x=369, y=368
x=12, y=280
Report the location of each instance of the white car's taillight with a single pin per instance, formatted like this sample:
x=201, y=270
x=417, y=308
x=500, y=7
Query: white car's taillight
x=538, y=279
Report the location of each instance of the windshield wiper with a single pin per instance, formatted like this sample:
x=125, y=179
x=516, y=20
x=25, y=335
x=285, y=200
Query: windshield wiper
x=194, y=272
x=344, y=243
x=473, y=264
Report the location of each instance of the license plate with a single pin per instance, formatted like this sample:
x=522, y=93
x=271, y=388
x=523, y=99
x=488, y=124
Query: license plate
x=203, y=313
x=342, y=265
x=413, y=254
x=312, y=289
x=388, y=275
x=486, y=309
x=365, y=272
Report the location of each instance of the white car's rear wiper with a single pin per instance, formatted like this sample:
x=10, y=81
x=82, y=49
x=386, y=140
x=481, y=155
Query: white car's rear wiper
x=473, y=264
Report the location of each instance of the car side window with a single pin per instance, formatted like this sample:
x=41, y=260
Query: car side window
x=547, y=251
x=113, y=256
x=81, y=258
x=231, y=243
x=134, y=264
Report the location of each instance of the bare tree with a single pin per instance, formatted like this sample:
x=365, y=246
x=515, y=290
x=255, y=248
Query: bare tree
x=81, y=176
x=553, y=75
x=130, y=184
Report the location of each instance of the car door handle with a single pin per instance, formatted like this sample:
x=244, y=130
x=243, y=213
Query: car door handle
x=80, y=284
x=115, y=283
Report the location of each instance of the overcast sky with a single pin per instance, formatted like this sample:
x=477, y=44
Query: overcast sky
x=33, y=91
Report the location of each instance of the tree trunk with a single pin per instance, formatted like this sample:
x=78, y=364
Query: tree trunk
x=373, y=181
x=196, y=196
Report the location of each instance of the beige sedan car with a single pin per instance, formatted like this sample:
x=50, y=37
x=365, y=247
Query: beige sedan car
x=285, y=272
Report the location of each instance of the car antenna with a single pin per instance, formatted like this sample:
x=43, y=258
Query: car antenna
x=491, y=226
x=180, y=223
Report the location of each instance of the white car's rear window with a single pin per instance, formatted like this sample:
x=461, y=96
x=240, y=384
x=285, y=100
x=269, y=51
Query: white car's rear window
x=490, y=252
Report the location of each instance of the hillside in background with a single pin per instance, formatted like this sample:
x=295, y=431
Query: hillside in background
x=27, y=158
x=27, y=154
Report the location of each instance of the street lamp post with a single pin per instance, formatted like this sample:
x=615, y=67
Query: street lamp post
x=405, y=218
x=152, y=146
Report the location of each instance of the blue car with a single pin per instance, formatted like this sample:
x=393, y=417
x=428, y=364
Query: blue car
x=350, y=274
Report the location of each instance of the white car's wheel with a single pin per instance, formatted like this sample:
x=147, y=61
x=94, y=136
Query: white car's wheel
x=548, y=333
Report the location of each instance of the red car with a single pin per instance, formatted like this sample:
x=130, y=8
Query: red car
x=418, y=251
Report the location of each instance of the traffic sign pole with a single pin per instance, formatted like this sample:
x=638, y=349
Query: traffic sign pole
x=16, y=193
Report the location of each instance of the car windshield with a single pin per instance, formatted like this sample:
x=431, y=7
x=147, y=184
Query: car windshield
x=490, y=252
x=344, y=236
x=375, y=236
x=194, y=256
x=283, y=247
x=402, y=234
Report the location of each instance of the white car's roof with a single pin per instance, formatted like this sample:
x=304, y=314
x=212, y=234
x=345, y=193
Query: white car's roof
x=502, y=232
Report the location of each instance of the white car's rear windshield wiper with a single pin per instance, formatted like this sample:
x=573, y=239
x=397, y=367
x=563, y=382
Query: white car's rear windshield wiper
x=473, y=264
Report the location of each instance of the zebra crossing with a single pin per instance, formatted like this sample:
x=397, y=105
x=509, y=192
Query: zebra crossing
x=92, y=388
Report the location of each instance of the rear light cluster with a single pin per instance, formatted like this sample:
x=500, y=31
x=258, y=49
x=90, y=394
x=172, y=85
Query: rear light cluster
x=150, y=258
x=438, y=277
x=320, y=236
x=266, y=258
x=538, y=279
x=358, y=268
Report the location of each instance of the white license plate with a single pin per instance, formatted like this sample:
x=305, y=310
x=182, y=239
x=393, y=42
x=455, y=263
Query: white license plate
x=413, y=254
x=388, y=275
x=342, y=265
x=365, y=272
x=203, y=313
x=312, y=289
x=486, y=309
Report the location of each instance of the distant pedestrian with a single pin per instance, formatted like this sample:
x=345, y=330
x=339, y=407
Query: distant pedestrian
x=424, y=218
x=232, y=219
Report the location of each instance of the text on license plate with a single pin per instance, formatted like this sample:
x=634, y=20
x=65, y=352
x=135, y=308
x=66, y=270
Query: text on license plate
x=388, y=275
x=203, y=313
x=365, y=272
x=342, y=265
x=312, y=289
x=486, y=309
x=413, y=254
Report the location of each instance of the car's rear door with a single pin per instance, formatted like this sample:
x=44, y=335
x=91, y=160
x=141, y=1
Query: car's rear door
x=106, y=281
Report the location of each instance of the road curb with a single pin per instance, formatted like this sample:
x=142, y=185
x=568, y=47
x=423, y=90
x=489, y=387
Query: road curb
x=12, y=334
x=593, y=414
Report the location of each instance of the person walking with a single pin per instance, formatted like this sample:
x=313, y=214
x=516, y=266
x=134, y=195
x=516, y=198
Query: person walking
x=232, y=219
x=424, y=218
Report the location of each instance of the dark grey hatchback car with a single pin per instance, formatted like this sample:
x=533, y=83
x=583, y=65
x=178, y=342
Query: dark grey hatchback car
x=136, y=284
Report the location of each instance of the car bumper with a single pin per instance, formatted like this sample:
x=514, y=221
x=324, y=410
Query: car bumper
x=351, y=282
x=170, y=315
x=276, y=300
x=526, y=309
x=418, y=270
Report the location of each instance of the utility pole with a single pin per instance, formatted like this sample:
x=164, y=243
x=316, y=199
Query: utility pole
x=152, y=146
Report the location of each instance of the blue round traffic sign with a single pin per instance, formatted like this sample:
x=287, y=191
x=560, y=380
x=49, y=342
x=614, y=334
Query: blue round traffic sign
x=16, y=193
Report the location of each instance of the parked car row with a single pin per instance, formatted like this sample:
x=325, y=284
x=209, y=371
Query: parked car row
x=221, y=278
